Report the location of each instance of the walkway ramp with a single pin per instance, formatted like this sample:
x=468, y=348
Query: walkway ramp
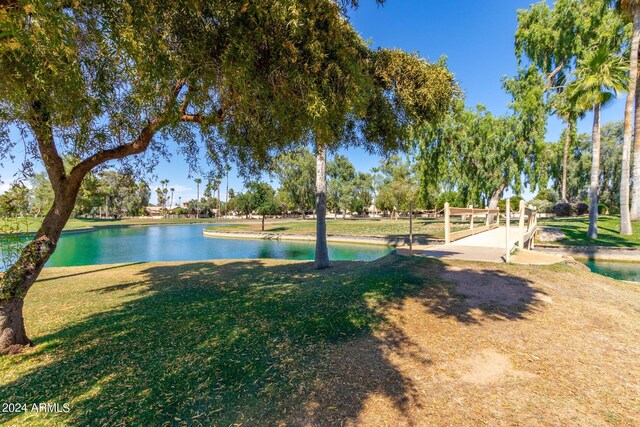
x=485, y=240
x=496, y=238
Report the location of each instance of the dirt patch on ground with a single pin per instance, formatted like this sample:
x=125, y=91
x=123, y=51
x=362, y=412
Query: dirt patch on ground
x=492, y=287
x=492, y=345
x=490, y=367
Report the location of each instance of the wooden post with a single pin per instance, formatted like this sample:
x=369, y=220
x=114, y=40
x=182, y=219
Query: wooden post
x=535, y=225
x=508, y=220
x=410, y=228
x=447, y=231
x=521, y=224
x=489, y=217
x=471, y=225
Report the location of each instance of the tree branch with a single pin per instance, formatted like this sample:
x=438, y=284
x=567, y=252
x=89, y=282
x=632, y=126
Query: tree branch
x=40, y=122
x=552, y=75
x=198, y=118
x=136, y=146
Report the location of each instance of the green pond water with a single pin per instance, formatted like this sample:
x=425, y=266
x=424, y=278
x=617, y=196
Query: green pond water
x=186, y=243
x=618, y=270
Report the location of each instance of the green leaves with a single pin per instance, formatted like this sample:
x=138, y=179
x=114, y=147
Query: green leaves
x=599, y=75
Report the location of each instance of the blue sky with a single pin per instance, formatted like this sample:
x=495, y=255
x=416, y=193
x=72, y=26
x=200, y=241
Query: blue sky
x=476, y=36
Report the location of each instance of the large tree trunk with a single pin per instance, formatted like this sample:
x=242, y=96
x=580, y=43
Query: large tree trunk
x=19, y=278
x=592, y=233
x=632, y=95
x=322, y=252
x=565, y=159
x=495, y=198
x=13, y=336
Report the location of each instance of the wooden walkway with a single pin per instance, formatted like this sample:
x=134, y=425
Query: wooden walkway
x=490, y=241
x=495, y=238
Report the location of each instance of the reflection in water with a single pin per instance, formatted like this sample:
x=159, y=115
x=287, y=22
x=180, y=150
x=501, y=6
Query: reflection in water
x=186, y=243
x=618, y=270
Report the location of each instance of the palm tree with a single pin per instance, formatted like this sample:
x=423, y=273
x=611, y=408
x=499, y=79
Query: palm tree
x=198, y=181
x=599, y=76
x=632, y=9
x=171, y=203
x=164, y=183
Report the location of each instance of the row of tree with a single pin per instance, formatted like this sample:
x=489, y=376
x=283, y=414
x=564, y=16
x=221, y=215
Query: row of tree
x=392, y=185
x=585, y=52
x=108, y=193
x=574, y=58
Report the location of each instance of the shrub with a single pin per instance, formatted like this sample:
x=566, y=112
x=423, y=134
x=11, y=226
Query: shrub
x=549, y=195
x=564, y=209
x=544, y=206
x=582, y=208
x=603, y=209
x=570, y=209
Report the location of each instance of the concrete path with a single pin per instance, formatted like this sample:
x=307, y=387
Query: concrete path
x=496, y=238
x=488, y=246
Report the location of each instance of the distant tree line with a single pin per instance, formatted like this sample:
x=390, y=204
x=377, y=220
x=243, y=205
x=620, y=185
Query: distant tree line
x=107, y=193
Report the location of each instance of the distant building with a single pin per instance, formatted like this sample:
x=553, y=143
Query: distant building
x=159, y=210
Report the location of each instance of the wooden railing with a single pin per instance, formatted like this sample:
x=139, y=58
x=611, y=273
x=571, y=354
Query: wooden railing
x=491, y=221
x=527, y=233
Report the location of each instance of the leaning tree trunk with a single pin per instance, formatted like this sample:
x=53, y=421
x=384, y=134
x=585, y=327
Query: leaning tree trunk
x=495, y=198
x=592, y=233
x=632, y=95
x=19, y=278
x=322, y=252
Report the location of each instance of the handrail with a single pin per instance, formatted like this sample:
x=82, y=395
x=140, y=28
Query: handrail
x=471, y=212
x=527, y=234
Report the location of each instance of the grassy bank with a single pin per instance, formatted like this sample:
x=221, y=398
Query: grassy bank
x=32, y=224
x=575, y=230
x=268, y=342
x=428, y=228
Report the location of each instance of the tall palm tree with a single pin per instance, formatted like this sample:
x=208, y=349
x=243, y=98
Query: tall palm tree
x=198, y=181
x=171, y=203
x=164, y=184
x=631, y=8
x=598, y=77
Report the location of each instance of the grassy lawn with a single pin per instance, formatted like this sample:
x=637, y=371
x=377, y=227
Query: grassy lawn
x=429, y=228
x=575, y=230
x=269, y=342
x=32, y=224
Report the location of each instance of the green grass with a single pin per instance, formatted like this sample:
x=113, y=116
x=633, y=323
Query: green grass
x=207, y=343
x=575, y=230
x=428, y=228
x=30, y=224
x=274, y=342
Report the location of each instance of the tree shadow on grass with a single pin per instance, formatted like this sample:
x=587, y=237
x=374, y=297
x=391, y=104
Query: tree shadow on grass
x=212, y=343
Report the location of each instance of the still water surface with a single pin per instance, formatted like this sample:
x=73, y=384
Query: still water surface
x=618, y=270
x=186, y=243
